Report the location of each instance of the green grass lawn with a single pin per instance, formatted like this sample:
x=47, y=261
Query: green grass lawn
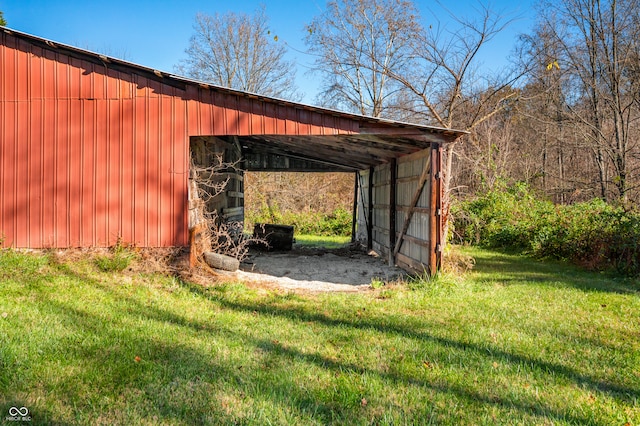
x=514, y=342
x=330, y=242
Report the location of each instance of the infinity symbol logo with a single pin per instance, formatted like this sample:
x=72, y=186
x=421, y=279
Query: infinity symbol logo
x=22, y=411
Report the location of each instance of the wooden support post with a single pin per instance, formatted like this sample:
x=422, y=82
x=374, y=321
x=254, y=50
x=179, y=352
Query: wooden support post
x=370, y=212
x=354, y=216
x=439, y=224
x=393, y=178
x=435, y=207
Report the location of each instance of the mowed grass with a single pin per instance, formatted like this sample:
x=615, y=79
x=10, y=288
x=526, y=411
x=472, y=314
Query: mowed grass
x=514, y=342
x=330, y=242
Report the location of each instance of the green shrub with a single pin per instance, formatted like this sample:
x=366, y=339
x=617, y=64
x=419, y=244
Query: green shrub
x=117, y=260
x=593, y=234
x=506, y=217
x=337, y=222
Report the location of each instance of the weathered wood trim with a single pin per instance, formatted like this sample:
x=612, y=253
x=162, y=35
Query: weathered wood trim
x=406, y=262
x=232, y=211
x=392, y=210
x=414, y=209
x=370, y=212
x=235, y=194
x=435, y=205
x=354, y=215
x=417, y=241
x=438, y=212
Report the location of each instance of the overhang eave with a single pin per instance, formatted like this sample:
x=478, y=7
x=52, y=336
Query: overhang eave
x=347, y=152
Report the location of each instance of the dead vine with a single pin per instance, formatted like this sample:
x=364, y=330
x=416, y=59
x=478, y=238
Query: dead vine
x=217, y=234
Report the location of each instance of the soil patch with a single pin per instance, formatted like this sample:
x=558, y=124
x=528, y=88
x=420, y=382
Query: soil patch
x=346, y=269
x=315, y=269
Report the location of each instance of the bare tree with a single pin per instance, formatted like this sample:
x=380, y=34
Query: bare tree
x=542, y=106
x=447, y=88
x=364, y=43
x=358, y=44
x=240, y=52
x=599, y=44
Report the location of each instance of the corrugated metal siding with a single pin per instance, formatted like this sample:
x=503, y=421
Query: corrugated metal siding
x=90, y=154
x=381, y=185
x=414, y=250
x=415, y=244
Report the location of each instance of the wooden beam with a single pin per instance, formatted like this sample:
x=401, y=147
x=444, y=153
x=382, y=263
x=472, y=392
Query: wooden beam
x=412, y=206
x=251, y=155
x=354, y=216
x=364, y=208
x=232, y=211
x=370, y=212
x=392, y=210
x=435, y=217
x=235, y=194
x=405, y=262
x=311, y=152
x=426, y=136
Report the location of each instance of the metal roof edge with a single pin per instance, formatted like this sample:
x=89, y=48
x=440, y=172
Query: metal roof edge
x=203, y=84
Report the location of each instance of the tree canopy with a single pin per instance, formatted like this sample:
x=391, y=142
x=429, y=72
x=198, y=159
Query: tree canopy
x=240, y=52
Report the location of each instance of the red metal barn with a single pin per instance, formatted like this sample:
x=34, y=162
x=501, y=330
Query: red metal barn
x=95, y=150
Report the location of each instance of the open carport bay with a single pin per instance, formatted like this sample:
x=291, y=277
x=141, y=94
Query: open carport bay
x=315, y=269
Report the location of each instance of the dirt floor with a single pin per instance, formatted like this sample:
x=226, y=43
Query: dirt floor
x=315, y=269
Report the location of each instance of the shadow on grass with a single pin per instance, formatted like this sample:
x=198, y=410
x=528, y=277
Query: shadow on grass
x=176, y=382
x=513, y=268
x=183, y=367
x=385, y=326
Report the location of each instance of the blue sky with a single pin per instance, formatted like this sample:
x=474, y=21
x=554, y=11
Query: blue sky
x=155, y=33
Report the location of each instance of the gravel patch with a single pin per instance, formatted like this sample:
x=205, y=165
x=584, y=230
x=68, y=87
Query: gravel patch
x=316, y=269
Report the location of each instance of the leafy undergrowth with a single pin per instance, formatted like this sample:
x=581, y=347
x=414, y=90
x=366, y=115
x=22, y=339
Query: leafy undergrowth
x=595, y=235
x=514, y=342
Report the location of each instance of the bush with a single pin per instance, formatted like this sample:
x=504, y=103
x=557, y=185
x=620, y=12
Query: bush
x=337, y=222
x=118, y=260
x=507, y=217
x=593, y=234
